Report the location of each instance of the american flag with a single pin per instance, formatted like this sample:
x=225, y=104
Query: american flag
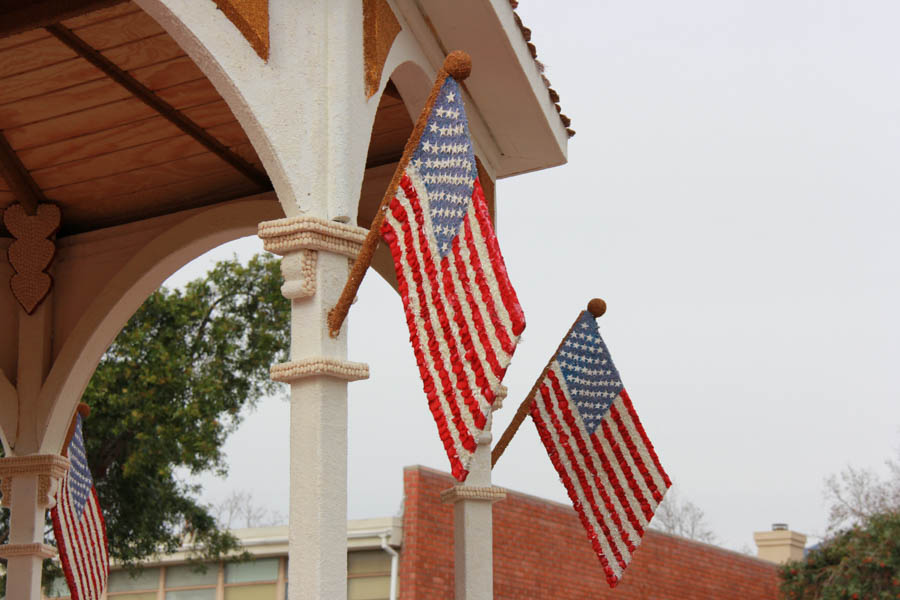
x=79, y=527
x=463, y=315
x=598, y=446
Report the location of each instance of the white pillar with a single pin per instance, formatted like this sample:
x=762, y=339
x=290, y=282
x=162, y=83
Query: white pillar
x=315, y=268
x=28, y=486
x=473, y=526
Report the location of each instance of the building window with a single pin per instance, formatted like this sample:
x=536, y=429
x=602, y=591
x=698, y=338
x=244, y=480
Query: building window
x=142, y=585
x=368, y=575
x=185, y=582
x=252, y=580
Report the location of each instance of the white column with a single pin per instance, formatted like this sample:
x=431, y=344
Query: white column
x=473, y=526
x=315, y=268
x=28, y=487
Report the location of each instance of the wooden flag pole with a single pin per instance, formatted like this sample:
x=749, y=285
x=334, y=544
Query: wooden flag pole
x=458, y=65
x=84, y=410
x=596, y=307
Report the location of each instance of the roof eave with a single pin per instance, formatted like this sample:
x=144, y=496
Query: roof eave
x=516, y=117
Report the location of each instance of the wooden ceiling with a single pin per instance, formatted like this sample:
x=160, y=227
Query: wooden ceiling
x=104, y=115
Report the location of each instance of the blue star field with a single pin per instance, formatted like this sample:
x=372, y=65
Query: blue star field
x=445, y=162
x=591, y=377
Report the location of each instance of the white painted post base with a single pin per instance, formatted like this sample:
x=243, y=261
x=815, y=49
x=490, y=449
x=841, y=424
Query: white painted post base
x=473, y=526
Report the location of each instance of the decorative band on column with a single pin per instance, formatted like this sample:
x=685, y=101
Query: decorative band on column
x=309, y=367
x=49, y=469
x=310, y=233
x=458, y=493
x=38, y=550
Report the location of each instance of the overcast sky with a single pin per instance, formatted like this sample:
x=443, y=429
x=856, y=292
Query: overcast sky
x=732, y=192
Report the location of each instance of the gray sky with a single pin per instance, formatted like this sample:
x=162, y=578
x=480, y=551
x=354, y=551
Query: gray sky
x=732, y=194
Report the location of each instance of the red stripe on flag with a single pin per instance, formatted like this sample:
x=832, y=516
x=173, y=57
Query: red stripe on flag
x=84, y=542
x=447, y=436
x=618, y=485
x=486, y=297
x=433, y=344
x=507, y=293
x=626, y=469
x=480, y=328
x=73, y=549
x=635, y=455
x=58, y=524
x=563, y=434
x=105, y=545
x=553, y=452
x=462, y=383
x=626, y=400
x=431, y=391
x=564, y=407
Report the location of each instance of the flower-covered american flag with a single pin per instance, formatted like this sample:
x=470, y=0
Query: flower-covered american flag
x=79, y=526
x=598, y=446
x=463, y=315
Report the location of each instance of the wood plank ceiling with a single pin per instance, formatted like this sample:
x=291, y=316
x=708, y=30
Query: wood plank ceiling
x=112, y=122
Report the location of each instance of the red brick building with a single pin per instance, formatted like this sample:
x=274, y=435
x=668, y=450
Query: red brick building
x=541, y=552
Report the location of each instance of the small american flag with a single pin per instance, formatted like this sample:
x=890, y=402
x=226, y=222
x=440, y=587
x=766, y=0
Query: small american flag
x=598, y=446
x=463, y=315
x=79, y=527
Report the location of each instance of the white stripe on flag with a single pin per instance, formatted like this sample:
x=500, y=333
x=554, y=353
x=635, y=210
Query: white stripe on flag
x=496, y=296
x=571, y=475
x=602, y=475
x=416, y=308
x=615, y=537
x=425, y=206
x=639, y=442
x=629, y=460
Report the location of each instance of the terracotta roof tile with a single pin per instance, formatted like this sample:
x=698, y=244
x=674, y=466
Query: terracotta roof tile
x=554, y=96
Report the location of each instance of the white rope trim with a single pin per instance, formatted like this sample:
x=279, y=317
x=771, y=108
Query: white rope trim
x=309, y=367
x=310, y=233
x=48, y=467
x=459, y=493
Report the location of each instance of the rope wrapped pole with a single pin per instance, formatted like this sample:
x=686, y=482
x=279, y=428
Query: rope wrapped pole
x=458, y=65
x=597, y=308
x=84, y=410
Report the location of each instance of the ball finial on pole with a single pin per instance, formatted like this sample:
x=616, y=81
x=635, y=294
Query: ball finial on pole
x=458, y=65
x=597, y=307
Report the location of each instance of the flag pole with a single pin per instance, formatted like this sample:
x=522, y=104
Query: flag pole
x=596, y=307
x=458, y=65
x=84, y=410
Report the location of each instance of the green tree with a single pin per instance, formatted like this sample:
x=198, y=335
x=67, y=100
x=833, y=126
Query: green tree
x=165, y=396
x=860, y=556
x=860, y=563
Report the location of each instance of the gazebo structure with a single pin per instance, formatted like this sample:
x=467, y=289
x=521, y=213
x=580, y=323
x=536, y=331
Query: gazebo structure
x=135, y=136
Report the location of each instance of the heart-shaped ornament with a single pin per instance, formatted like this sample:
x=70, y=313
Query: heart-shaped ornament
x=31, y=252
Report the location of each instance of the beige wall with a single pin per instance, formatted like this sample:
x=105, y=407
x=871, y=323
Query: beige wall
x=369, y=578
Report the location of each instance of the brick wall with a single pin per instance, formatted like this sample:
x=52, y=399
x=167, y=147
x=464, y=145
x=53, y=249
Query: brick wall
x=541, y=551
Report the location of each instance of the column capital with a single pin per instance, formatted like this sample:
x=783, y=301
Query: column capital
x=310, y=367
x=284, y=236
x=458, y=493
x=49, y=469
x=38, y=550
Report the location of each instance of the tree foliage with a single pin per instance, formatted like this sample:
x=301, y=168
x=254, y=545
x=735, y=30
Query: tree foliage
x=862, y=562
x=860, y=557
x=165, y=396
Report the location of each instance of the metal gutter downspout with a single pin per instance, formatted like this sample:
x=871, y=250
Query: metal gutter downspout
x=394, y=556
